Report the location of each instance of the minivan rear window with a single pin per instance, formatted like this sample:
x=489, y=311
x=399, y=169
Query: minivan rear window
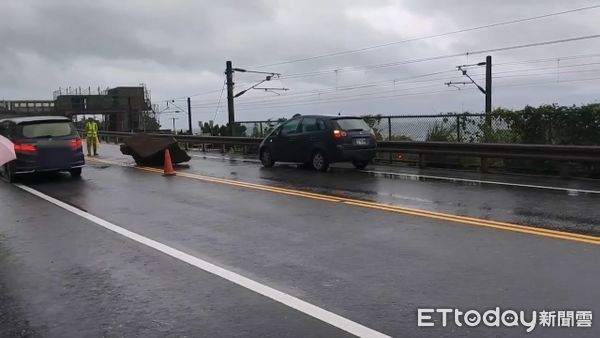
x=352, y=124
x=47, y=129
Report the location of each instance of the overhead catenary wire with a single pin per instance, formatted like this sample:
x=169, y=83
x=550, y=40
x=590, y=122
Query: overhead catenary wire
x=464, y=30
x=394, y=82
x=312, y=96
x=393, y=64
x=496, y=65
x=326, y=90
x=184, y=98
x=550, y=59
x=485, y=51
x=385, y=97
x=219, y=103
x=526, y=70
x=439, y=57
x=352, y=97
x=508, y=22
x=530, y=61
x=363, y=85
x=399, y=81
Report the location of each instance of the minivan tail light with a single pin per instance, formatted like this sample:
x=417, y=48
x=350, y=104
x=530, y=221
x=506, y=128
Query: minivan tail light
x=339, y=133
x=25, y=148
x=76, y=144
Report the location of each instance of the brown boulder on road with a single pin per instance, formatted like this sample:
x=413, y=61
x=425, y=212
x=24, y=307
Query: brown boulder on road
x=149, y=151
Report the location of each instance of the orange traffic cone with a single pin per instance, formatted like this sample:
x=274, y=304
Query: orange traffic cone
x=168, y=169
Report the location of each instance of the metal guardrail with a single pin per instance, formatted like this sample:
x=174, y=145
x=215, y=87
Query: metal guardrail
x=562, y=153
x=192, y=139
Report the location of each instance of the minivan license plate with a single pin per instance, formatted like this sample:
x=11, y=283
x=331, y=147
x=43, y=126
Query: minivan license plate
x=360, y=141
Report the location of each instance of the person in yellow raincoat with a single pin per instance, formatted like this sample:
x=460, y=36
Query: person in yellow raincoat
x=91, y=136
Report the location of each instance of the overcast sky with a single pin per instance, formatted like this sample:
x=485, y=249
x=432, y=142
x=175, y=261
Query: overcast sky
x=179, y=48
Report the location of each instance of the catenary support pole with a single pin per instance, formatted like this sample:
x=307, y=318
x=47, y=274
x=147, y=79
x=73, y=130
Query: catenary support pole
x=189, y=103
x=230, y=108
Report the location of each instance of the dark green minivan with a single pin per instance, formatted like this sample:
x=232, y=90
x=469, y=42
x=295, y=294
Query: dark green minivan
x=319, y=140
x=42, y=144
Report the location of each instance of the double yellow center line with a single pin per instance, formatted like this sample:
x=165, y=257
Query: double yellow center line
x=383, y=207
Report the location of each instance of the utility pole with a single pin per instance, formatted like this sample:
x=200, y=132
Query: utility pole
x=229, y=70
x=488, y=108
x=230, y=108
x=487, y=128
x=488, y=91
x=189, y=102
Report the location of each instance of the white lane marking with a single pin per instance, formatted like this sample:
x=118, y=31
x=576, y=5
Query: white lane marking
x=455, y=179
x=443, y=178
x=276, y=295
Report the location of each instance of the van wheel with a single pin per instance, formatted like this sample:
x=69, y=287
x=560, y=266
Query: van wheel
x=7, y=173
x=319, y=161
x=75, y=173
x=360, y=164
x=266, y=158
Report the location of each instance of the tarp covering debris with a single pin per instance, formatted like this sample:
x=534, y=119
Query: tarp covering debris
x=149, y=151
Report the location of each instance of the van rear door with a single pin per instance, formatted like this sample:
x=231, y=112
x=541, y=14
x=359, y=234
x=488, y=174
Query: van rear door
x=358, y=132
x=53, y=142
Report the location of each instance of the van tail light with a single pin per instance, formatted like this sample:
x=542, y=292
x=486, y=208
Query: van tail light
x=337, y=134
x=76, y=144
x=25, y=148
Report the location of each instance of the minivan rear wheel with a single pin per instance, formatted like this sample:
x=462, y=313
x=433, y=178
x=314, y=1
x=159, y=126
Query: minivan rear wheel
x=319, y=161
x=75, y=172
x=7, y=173
x=360, y=164
x=266, y=158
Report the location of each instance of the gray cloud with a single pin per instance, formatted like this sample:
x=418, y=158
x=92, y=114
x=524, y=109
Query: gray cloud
x=179, y=48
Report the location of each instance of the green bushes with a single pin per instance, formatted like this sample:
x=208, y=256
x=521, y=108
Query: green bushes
x=439, y=132
x=552, y=124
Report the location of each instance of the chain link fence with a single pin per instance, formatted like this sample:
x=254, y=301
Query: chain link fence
x=255, y=128
x=579, y=126
x=440, y=128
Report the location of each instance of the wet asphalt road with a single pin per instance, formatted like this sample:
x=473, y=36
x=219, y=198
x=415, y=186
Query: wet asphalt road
x=62, y=276
x=570, y=210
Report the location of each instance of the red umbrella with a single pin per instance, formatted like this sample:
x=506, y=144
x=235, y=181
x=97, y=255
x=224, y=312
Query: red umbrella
x=7, y=150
